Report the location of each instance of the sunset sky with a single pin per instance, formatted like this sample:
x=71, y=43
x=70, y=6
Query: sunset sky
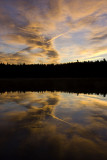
x=52, y=31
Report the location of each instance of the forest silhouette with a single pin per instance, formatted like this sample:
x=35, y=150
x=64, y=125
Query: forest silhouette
x=77, y=69
x=86, y=69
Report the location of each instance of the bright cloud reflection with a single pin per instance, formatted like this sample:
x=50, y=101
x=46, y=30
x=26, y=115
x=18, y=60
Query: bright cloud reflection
x=66, y=126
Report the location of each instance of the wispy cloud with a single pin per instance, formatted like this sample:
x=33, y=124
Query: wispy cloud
x=38, y=24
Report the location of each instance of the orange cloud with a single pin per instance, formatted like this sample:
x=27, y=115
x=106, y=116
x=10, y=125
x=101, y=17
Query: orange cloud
x=37, y=24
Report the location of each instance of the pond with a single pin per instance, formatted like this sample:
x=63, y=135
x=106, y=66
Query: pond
x=53, y=125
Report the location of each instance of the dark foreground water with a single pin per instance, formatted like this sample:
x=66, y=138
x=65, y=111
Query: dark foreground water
x=53, y=125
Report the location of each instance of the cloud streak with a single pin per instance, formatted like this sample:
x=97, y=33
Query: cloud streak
x=35, y=27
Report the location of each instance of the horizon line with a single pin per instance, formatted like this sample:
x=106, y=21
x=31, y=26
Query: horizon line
x=103, y=60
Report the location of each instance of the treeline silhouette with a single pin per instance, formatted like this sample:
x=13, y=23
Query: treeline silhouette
x=77, y=69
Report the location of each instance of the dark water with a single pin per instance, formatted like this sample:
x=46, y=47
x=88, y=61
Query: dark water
x=53, y=125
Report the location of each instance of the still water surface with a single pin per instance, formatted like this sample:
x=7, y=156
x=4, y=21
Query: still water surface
x=53, y=125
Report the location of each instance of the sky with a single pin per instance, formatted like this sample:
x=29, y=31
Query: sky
x=52, y=31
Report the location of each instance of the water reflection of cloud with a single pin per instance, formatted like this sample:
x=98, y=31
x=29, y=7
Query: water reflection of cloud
x=22, y=101
x=37, y=132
